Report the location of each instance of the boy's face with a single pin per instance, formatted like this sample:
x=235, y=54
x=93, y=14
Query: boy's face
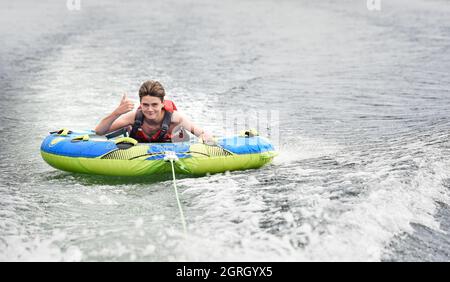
x=151, y=106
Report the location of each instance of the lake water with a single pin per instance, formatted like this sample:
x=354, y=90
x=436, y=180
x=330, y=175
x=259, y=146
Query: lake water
x=362, y=105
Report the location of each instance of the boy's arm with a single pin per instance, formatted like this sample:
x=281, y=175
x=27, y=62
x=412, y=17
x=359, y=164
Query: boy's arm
x=182, y=120
x=122, y=116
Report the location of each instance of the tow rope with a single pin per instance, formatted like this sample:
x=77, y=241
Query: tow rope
x=172, y=157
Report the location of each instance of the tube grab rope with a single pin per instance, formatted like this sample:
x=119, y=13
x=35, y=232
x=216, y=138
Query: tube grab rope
x=81, y=138
x=126, y=140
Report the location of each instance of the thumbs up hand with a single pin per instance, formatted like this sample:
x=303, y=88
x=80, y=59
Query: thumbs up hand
x=126, y=105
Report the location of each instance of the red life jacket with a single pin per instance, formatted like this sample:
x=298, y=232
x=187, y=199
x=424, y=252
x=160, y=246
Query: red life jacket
x=162, y=135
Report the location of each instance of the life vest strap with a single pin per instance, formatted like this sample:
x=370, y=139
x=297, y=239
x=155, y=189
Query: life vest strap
x=159, y=136
x=162, y=134
x=138, y=122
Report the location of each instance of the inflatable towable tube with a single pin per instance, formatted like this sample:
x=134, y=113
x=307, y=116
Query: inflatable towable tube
x=85, y=152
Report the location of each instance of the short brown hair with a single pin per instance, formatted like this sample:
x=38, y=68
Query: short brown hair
x=152, y=88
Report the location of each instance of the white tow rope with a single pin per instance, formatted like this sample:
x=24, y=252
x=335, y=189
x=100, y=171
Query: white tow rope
x=172, y=157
